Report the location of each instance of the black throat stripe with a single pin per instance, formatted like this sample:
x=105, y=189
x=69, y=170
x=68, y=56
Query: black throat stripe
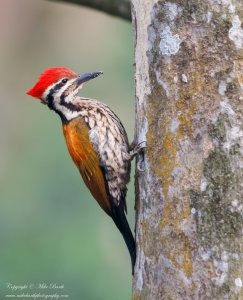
x=50, y=98
x=50, y=102
x=69, y=105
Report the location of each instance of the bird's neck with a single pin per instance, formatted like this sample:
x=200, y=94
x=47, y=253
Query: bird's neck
x=65, y=106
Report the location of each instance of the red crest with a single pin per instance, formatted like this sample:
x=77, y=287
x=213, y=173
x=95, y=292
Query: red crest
x=49, y=77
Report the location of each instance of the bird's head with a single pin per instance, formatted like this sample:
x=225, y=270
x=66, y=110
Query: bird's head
x=59, y=84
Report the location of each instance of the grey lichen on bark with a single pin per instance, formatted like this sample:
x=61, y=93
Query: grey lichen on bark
x=118, y=8
x=189, y=82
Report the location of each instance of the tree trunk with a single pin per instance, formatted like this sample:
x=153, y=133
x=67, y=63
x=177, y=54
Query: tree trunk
x=189, y=81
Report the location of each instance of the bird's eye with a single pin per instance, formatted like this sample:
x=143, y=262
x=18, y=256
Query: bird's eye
x=64, y=80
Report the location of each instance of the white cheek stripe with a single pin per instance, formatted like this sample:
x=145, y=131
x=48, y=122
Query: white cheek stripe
x=58, y=95
x=60, y=92
x=57, y=98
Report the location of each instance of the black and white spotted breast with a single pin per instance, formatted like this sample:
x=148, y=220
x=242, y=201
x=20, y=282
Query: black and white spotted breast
x=109, y=138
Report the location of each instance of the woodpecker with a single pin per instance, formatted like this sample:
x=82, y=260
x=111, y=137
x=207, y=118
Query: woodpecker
x=96, y=140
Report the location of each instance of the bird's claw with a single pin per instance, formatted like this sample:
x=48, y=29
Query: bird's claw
x=138, y=149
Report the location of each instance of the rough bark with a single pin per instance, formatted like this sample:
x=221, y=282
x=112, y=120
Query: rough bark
x=189, y=81
x=118, y=8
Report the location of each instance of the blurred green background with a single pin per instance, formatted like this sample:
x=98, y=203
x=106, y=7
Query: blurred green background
x=51, y=229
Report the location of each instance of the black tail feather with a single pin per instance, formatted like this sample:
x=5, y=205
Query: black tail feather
x=118, y=216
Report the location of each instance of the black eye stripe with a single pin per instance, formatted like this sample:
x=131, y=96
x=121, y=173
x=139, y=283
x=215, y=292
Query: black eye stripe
x=56, y=87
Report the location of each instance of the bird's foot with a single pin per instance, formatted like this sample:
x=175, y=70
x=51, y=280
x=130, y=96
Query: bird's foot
x=138, y=151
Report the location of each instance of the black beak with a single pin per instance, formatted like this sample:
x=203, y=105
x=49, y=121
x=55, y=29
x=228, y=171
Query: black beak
x=87, y=76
